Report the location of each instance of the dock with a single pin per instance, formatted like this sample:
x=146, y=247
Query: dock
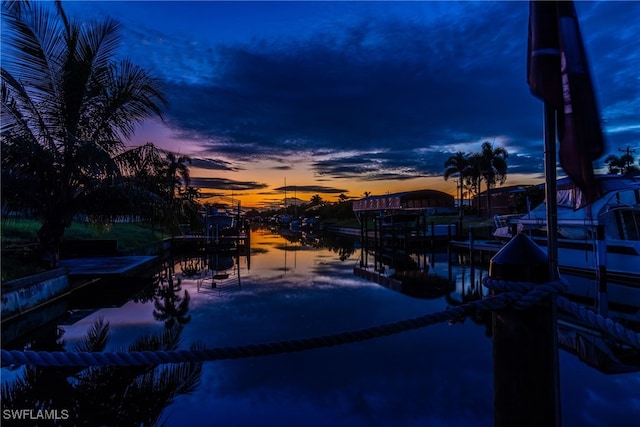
x=109, y=266
x=490, y=246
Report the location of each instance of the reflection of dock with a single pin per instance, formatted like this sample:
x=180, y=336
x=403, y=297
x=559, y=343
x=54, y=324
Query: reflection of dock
x=239, y=242
x=415, y=283
x=594, y=348
x=127, y=266
x=473, y=252
x=222, y=274
x=378, y=277
x=489, y=246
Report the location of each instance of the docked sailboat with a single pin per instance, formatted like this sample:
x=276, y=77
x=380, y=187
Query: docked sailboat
x=616, y=212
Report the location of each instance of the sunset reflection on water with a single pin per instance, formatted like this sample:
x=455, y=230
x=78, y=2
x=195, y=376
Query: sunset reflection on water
x=292, y=288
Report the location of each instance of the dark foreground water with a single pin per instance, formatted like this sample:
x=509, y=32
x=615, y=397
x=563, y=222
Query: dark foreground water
x=441, y=375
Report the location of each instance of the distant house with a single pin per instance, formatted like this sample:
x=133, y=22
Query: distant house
x=503, y=200
x=427, y=202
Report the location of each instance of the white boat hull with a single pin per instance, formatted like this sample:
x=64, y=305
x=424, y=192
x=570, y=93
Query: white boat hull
x=580, y=258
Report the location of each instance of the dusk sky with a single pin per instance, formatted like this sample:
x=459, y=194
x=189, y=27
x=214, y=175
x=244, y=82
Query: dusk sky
x=354, y=97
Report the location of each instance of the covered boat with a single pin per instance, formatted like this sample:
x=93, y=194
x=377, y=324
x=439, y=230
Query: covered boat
x=616, y=213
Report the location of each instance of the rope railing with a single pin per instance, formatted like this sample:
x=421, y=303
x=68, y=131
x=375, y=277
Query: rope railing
x=531, y=292
x=60, y=358
x=599, y=322
x=519, y=295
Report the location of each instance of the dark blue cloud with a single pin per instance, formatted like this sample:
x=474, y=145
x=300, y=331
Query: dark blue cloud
x=373, y=84
x=311, y=189
x=212, y=164
x=411, y=81
x=397, y=86
x=226, y=184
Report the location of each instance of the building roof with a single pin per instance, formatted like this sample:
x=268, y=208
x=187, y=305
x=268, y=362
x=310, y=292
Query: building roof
x=504, y=190
x=408, y=200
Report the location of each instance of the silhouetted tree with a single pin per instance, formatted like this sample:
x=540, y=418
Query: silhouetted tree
x=112, y=395
x=473, y=175
x=493, y=168
x=622, y=164
x=67, y=105
x=169, y=306
x=457, y=164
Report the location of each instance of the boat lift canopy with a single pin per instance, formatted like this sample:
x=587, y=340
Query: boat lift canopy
x=420, y=200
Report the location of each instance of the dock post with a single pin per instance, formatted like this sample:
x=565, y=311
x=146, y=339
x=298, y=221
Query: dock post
x=376, y=227
x=601, y=262
x=433, y=235
x=363, y=232
x=449, y=252
x=525, y=351
x=471, y=245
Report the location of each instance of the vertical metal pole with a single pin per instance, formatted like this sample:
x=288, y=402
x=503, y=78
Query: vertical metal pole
x=601, y=260
x=550, y=188
x=552, y=237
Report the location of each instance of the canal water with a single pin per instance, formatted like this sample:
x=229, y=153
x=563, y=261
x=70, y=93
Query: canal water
x=291, y=288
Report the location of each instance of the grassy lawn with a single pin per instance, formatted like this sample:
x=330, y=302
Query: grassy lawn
x=19, y=237
x=23, y=231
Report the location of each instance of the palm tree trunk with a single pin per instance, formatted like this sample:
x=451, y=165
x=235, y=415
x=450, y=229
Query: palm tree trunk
x=488, y=200
x=479, y=198
x=461, y=201
x=50, y=238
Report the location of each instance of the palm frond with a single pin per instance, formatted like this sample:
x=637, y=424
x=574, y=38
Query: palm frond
x=134, y=96
x=97, y=337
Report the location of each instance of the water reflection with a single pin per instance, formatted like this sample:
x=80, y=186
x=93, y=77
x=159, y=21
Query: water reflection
x=595, y=348
x=299, y=286
x=403, y=271
x=101, y=395
x=169, y=306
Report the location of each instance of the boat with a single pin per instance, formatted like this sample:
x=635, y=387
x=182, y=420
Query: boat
x=218, y=222
x=616, y=213
x=505, y=226
x=310, y=223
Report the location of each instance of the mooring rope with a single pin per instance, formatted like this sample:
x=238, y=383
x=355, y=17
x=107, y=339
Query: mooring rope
x=529, y=293
x=138, y=358
x=598, y=321
x=519, y=295
x=535, y=293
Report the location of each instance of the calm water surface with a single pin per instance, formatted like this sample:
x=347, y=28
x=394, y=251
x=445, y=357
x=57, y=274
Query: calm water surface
x=440, y=375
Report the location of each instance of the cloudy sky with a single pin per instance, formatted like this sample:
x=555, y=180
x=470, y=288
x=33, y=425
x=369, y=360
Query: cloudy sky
x=354, y=97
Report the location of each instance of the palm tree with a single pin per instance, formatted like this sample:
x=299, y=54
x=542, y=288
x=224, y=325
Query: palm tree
x=169, y=306
x=473, y=175
x=316, y=200
x=179, y=194
x=457, y=164
x=621, y=164
x=67, y=105
x=493, y=167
